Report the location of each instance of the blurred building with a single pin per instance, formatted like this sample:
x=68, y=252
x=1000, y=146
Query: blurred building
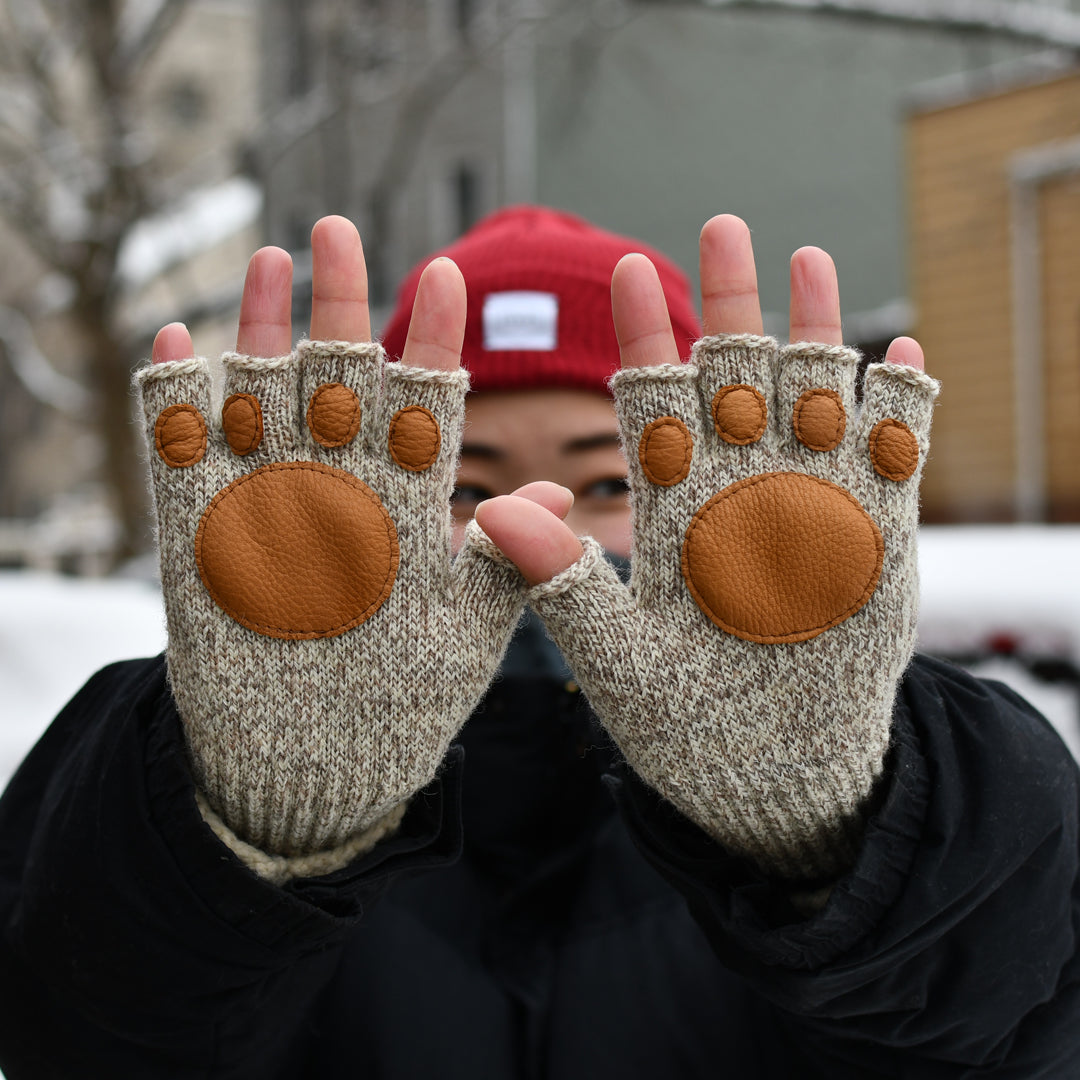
x=995, y=270
x=646, y=117
x=415, y=117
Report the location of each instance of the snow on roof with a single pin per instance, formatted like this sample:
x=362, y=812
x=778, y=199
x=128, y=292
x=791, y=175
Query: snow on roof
x=961, y=87
x=197, y=223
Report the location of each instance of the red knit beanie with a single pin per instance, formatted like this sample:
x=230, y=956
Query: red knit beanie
x=539, y=296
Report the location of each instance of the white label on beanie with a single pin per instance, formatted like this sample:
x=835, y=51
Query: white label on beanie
x=521, y=320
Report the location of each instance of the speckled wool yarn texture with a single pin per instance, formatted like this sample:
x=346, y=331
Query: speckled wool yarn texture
x=772, y=749
x=309, y=748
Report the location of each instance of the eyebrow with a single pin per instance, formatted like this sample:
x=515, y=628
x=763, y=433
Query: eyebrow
x=592, y=442
x=480, y=450
x=573, y=446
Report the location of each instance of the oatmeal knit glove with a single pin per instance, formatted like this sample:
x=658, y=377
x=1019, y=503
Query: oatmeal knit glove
x=748, y=671
x=323, y=647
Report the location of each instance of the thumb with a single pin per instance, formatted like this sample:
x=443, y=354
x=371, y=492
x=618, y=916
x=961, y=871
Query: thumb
x=533, y=538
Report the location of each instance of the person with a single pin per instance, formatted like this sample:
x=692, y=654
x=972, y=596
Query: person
x=344, y=828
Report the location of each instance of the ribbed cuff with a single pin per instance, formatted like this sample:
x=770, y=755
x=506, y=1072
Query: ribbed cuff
x=808, y=829
x=279, y=869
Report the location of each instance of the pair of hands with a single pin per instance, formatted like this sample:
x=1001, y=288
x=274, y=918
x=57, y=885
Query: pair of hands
x=766, y=500
x=527, y=525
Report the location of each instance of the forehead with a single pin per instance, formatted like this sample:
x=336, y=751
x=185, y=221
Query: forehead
x=553, y=416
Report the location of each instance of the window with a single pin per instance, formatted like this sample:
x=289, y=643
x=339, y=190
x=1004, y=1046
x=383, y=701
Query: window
x=464, y=15
x=186, y=102
x=466, y=196
x=297, y=53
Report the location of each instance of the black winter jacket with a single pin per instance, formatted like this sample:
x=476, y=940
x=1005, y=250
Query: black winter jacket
x=524, y=923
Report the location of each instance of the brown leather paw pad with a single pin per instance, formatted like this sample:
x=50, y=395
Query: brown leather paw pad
x=768, y=493
x=740, y=414
x=819, y=419
x=180, y=436
x=781, y=557
x=242, y=423
x=894, y=450
x=318, y=480
x=665, y=451
x=297, y=550
x=333, y=415
x=414, y=439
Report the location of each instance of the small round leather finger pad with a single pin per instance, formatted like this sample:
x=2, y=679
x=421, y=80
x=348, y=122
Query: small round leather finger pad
x=297, y=549
x=781, y=557
x=180, y=436
x=242, y=422
x=333, y=415
x=739, y=414
x=665, y=450
x=415, y=438
x=894, y=450
x=819, y=419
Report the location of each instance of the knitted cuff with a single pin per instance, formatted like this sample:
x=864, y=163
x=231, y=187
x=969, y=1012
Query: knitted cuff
x=279, y=869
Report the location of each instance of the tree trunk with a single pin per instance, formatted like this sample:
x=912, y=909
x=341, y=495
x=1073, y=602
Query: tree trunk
x=123, y=467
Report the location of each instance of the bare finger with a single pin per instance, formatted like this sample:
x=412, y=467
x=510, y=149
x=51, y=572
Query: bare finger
x=815, y=298
x=339, y=285
x=437, y=326
x=638, y=306
x=554, y=498
x=905, y=350
x=532, y=538
x=172, y=342
x=266, y=306
x=729, y=291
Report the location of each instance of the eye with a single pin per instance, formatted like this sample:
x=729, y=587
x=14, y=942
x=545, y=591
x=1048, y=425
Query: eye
x=466, y=496
x=611, y=487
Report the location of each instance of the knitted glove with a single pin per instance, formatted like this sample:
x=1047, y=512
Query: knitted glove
x=323, y=649
x=748, y=671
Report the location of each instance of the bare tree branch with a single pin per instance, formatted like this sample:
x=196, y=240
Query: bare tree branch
x=33, y=369
x=135, y=54
x=25, y=219
x=32, y=50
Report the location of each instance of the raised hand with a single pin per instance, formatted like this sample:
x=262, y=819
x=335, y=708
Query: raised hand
x=323, y=648
x=749, y=670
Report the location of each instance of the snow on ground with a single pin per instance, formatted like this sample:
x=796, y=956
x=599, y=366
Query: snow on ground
x=1010, y=593
x=55, y=632
x=984, y=589
x=980, y=581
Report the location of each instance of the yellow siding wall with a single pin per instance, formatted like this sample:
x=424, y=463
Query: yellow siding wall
x=959, y=159
x=1060, y=237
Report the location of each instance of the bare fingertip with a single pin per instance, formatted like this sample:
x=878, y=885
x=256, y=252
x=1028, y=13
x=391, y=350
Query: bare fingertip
x=172, y=342
x=906, y=351
x=437, y=325
x=553, y=497
x=276, y=256
x=446, y=269
x=728, y=224
x=810, y=255
x=333, y=226
x=631, y=259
